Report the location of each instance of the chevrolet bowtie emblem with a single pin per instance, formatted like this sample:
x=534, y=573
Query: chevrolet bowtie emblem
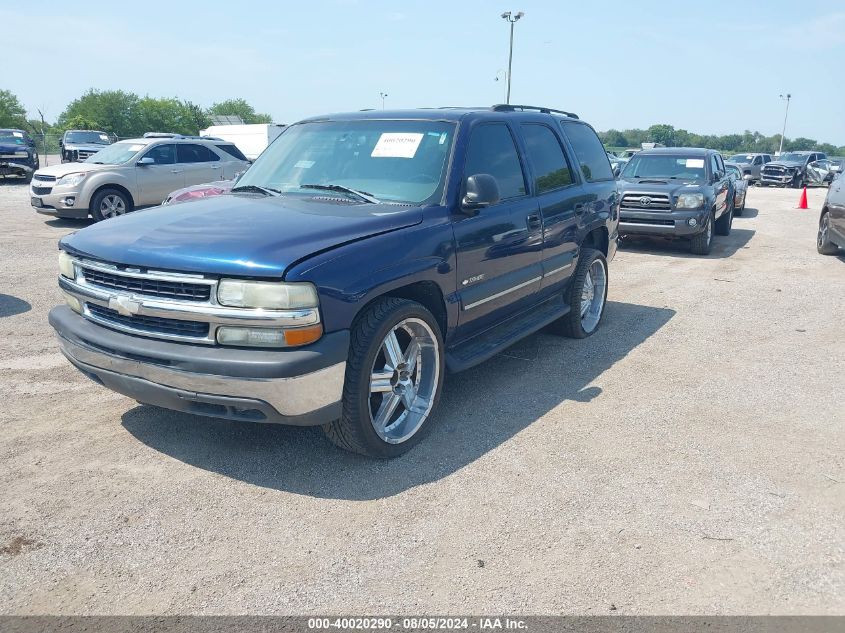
x=124, y=305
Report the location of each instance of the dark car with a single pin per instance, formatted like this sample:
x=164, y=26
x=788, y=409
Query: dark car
x=741, y=182
x=358, y=260
x=790, y=169
x=18, y=155
x=831, y=236
x=79, y=145
x=677, y=192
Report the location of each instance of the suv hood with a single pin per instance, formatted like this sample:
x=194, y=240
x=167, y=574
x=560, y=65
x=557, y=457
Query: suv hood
x=659, y=185
x=88, y=147
x=785, y=163
x=72, y=168
x=238, y=234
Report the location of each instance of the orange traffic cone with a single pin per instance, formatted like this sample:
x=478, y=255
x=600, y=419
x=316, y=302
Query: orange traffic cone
x=802, y=203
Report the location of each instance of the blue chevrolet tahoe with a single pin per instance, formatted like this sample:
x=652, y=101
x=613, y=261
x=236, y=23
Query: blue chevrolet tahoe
x=361, y=258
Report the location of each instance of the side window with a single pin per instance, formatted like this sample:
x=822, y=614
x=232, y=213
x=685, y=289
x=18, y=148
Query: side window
x=714, y=165
x=492, y=151
x=758, y=160
x=547, y=158
x=190, y=153
x=164, y=154
x=589, y=151
x=232, y=150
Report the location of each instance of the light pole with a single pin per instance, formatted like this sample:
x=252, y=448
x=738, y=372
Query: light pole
x=513, y=19
x=383, y=96
x=787, y=98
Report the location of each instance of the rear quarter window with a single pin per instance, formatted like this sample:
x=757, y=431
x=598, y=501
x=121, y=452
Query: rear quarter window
x=589, y=151
x=231, y=150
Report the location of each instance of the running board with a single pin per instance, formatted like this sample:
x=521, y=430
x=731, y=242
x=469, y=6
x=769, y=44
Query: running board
x=484, y=346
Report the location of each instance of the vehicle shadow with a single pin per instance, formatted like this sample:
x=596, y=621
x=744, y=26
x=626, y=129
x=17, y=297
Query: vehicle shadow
x=69, y=223
x=747, y=214
x=8, y=181
x=10, y=306
x=723, y=246
x=480, y=409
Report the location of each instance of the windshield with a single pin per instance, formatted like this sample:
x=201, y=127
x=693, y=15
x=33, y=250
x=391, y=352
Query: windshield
x=662, y=166
x=95, y=138
x=12, y=137
x=116, y=154
x=393, y=161
x=792, y=158
x=741, y=158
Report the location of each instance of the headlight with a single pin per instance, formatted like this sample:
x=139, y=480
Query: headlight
x=71, y=179
x=267, y=295
x=690, y=201
x=66, y=267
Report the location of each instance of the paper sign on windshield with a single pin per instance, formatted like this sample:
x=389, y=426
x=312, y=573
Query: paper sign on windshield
x=397, y=145
x=695, y=163
x=17, y=134
x=103, y=137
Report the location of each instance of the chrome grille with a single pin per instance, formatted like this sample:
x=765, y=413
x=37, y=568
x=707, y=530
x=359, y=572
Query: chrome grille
x=646, y=202
x=149, y=286
x=151, y=325
x=44, y=178
x=774, y=171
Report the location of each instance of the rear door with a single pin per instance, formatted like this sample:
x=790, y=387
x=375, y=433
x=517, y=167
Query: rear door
x=721, y=183
x=499, y=247
x=198, y=163
x=157, y=180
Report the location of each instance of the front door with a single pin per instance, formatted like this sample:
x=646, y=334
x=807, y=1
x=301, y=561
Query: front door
x=499, y=247
x=157, y=180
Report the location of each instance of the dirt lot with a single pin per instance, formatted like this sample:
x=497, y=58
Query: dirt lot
x=689, y=458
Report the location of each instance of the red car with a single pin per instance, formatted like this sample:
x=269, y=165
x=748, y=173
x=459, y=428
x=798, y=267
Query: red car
x=196, y=192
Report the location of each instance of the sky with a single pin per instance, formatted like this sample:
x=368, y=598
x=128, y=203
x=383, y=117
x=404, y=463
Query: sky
x=711, y=67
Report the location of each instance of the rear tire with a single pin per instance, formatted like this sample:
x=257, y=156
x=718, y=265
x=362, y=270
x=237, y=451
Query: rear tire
x=586, y=297
x=702, y=243
x=396, y=356
x=109, y=203
x=823, y=243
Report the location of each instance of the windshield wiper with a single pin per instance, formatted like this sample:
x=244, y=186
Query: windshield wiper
x=267, y=191
x=363, y=195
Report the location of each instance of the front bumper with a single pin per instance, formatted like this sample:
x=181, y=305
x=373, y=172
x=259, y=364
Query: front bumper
x=10, y=167
x=48, y=199
x=301, y=387
x=769, y=179
x=668, y=223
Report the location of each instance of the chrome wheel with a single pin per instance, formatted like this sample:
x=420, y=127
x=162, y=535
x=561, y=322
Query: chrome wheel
x=111, y=206
x=403, y=380
x=593, y=295
x=824, y=231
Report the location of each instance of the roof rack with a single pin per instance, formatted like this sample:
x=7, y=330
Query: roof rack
x=507, y=107
x=181, y=136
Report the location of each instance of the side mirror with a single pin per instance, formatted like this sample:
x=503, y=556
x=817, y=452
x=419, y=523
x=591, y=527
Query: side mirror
x=482, y=190
x=146, y=160
x=617, y=170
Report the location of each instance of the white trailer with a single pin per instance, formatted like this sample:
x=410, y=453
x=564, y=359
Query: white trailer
x=251, y=139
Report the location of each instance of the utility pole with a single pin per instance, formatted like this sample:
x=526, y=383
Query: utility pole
x=512, y=19
x=43, y=136
x=383, y=96
x=787, y=98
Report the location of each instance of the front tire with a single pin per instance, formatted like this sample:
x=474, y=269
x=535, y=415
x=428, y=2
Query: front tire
x=702, y=243
x=394, y=376
x=724, y=224
x=823, y=243
x=109, y=203
x=587, y=296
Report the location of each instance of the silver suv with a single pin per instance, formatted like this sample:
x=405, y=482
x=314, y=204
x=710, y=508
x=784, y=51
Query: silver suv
x=133, y=173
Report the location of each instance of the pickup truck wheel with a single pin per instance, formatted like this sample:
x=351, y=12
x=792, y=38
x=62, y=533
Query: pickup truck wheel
x=823, y=243
x=724, y=224
x=702, y=242
x=586, y=296
x=394, y=376
x=109, y=203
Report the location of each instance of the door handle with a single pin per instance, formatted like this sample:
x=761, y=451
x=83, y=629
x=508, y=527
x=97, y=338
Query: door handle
x=580, y=207
x=175, y=171
x=534, y=222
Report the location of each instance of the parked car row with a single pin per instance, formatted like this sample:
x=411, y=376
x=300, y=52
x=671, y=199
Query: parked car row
x=18, y=155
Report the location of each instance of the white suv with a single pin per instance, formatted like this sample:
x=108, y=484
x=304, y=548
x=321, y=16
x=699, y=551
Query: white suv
x=133, y=173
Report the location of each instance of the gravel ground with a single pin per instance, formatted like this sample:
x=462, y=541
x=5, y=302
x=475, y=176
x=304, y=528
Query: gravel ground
x=689, y=458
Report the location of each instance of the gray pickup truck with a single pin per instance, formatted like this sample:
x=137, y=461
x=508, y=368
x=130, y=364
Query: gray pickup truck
x=751, y=165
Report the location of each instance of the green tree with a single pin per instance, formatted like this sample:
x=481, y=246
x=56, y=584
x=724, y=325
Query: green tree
x=239, y=107
x=113, y=111
x=614, y=138
x=662, y=133
x=12, y=112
